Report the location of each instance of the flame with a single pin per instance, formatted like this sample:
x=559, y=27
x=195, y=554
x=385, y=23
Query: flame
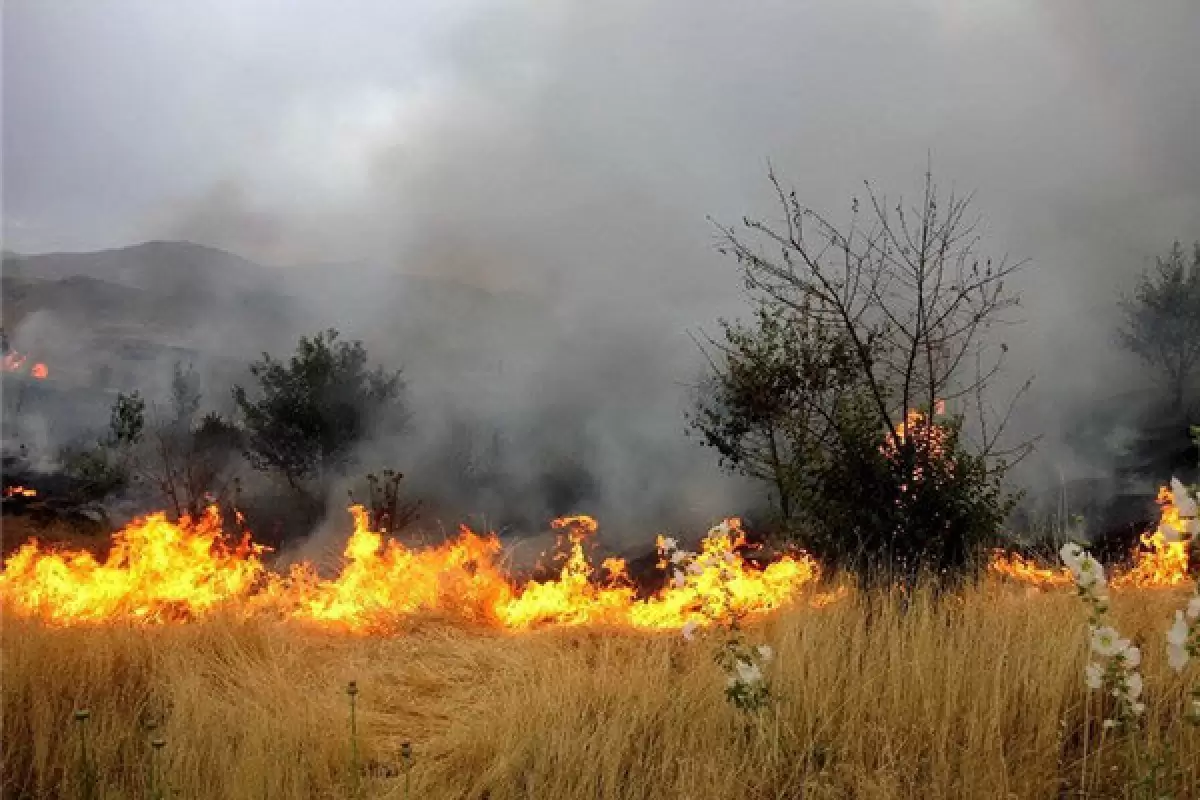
x=1163, y=559
x=20, y=491
x=156, y=571
x=159, y=571
x=1015, y=568
x=15, y=362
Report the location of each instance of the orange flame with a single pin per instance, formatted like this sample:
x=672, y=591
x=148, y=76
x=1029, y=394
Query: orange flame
x=160, y=571
x=156, y=571
x=1161, y=562
x=15, y=362
x=20, y=491
x=1013, y=567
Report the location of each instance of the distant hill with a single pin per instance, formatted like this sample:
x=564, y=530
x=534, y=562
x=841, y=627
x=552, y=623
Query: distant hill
x=127, y=303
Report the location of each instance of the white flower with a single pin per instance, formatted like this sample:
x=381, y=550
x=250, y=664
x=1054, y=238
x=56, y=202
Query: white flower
x=1193, y=608
x=765, y=653
x=1133, y=685
x=1089, y=572
x=1182, y=499
x=1105, y=641
x=680, y=580
x=748, y=673
x=1177, y=657
x=689, y=629
x=1178, y=634
x=1070, y=554
x=1094, y=675
x=1138, y=708
x=1168, y=532
x=1131, y=655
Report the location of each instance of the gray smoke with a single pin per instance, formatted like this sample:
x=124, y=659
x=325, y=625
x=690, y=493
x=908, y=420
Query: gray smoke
x=566, y=157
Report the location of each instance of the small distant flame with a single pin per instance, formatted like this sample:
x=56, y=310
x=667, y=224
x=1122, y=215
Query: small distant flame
x=15, y=362
x=19, y=491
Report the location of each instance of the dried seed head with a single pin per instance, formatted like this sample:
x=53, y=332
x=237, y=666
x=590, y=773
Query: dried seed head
x=406, y=750
x=82, y=714
x=158, y=743
x=352, y=688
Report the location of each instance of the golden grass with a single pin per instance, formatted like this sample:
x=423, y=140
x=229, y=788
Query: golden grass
x=981, y=697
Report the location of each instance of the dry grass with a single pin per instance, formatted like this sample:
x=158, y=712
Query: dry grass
x=980, y=698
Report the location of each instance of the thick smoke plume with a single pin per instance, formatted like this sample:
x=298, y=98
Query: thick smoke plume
x=560, y=163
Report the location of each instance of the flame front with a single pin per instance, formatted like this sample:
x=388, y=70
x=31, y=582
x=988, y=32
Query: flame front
x=155, y=571
x=159, y=571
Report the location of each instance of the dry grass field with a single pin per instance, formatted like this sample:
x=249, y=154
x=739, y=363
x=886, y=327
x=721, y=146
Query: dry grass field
x=980, y=696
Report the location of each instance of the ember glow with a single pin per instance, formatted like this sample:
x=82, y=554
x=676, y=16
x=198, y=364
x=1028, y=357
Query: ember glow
x=159, y=571
x=20, y=491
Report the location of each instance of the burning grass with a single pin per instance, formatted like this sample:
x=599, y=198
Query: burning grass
x=979, y=696
x=570, y=687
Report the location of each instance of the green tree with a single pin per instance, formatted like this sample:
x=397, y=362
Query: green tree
x=909, y=304
x=310, y=412
x=1161, y=322
x=765, y=406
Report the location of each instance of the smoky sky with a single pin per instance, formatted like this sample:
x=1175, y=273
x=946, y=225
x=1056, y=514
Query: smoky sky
x=575, y=151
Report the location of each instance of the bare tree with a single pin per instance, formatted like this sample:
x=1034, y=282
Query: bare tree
x=184, y=455
x=1162, y=321
x=907, y=289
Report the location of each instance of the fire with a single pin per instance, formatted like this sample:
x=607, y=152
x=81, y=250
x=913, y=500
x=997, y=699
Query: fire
x=156, y=571
x=20, y=491
x=159, y=571
x=1015, y=568
x=1163, y=561
x=15, y=362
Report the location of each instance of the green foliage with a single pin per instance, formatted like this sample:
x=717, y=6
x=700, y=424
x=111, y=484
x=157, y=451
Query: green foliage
x=887, y=508
x=1162, y=321
x=765, y=405
x=310, y=412
x=127, y=420
x=104, y=466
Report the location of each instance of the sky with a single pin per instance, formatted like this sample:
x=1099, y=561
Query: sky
x=583, y=149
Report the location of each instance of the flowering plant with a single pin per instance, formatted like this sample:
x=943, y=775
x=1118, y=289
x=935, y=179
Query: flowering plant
x=745, y=665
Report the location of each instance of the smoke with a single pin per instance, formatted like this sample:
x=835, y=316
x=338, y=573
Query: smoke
x=561, y=163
